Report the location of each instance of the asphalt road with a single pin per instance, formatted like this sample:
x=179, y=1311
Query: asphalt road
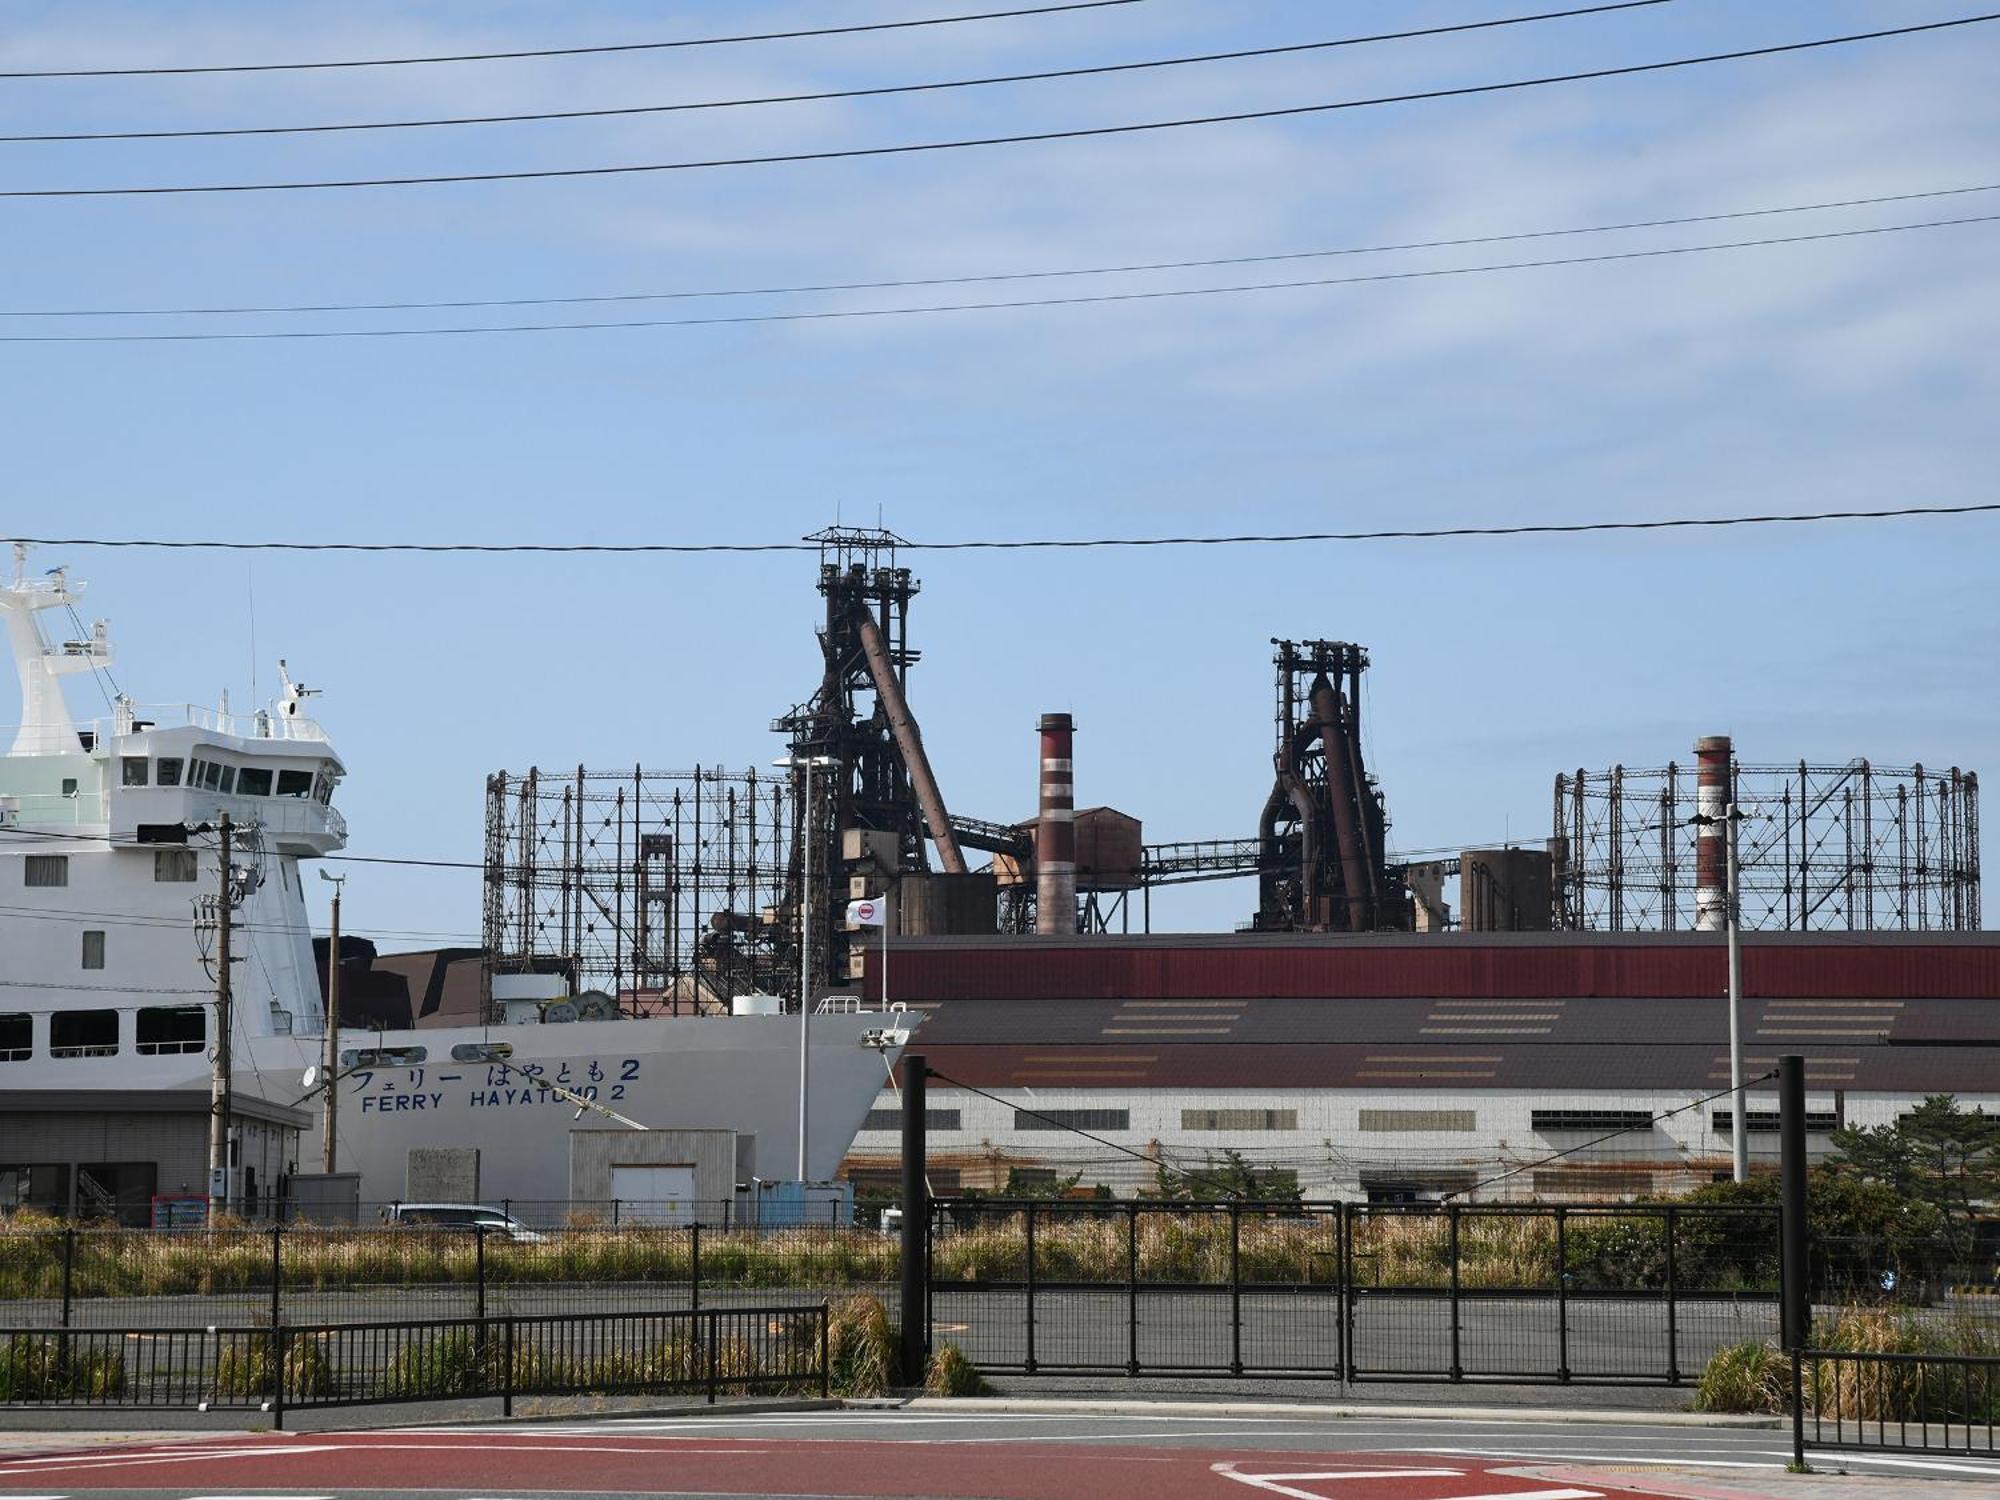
x=1011, y=1455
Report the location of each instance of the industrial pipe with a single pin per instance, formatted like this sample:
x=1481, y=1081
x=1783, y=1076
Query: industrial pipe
x=1055, y=829
x=1711, y=805
x=910, y=740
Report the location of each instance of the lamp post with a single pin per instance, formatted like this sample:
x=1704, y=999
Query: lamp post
x=805, y=765
x=1740, y=1144
x=331, y=1061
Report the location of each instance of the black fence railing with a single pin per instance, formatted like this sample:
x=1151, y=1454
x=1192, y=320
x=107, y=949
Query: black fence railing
x=745, y=1350
x=1903, y=1403
x=1568, y=1294
x=69, y=1277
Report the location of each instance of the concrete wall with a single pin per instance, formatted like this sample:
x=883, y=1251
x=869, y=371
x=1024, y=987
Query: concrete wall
x=593, y=1153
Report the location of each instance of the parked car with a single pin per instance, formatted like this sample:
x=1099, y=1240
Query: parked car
x=461, y=1216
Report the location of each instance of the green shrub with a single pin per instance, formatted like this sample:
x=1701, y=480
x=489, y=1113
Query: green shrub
x=952, y=1374
x=243, y=1367
x=1747, y=1377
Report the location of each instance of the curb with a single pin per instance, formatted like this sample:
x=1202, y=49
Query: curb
x=1351, y=1411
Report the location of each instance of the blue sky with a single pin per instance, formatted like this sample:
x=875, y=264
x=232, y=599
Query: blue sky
x=1852, y=373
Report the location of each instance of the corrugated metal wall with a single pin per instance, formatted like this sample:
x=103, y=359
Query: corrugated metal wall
x=1110, y=969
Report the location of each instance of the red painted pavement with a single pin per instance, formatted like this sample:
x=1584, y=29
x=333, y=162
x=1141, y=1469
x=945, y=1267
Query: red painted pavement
x=520, y=1460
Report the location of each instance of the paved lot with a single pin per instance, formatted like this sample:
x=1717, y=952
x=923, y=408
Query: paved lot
x=1015, y=1455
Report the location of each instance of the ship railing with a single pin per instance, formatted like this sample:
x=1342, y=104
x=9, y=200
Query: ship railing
x=262, y=725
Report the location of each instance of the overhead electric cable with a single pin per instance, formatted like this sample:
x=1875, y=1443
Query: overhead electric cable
x=851, y=153
x=611, y=47
x=1126, y=268
x=825, y=95
x=1031, y=544
x=1667, y=1114
x=1180, y=1172
x=1085, y=299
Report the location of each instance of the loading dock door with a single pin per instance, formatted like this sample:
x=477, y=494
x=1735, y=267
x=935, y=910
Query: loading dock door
x=654, y=1194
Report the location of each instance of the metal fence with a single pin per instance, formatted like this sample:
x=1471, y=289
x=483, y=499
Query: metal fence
x=288, y=1368
x=67, y=1277
x=1902, y=1403
x=1634, y=1295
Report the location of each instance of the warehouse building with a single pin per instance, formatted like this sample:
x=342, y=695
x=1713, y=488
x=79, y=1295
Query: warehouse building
x=1399, y=1067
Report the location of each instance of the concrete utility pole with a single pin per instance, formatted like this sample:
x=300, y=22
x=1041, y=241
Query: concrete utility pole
x=1739, y=1118
x=331, y=1062
x=218, y=1074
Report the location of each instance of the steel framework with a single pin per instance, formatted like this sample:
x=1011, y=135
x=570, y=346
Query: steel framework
x=660, y=887
x=1855, y=846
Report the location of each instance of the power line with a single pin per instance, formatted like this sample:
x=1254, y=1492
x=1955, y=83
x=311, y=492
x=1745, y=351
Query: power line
x=827, y=95
x=1129, y=268
x=1541, y=528
x=1186, y=1176
x=466, y=57
x=1608, y=1135
x=1088, y=299
x=913, y=148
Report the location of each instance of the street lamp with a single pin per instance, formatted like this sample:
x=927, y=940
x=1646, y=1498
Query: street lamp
x=331, y=1061
x=805, y=765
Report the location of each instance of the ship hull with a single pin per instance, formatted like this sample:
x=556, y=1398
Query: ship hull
x=738, y=1073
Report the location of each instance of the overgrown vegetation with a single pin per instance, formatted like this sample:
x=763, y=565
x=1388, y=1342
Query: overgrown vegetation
x=952, y=1374
x=1756, y=1376
x=46, y=1367
x=861, y=1353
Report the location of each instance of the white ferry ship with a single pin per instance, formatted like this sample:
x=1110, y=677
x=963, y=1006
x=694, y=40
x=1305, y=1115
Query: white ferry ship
x=110, y=869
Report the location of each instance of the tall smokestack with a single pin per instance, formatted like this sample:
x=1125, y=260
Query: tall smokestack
x=1711, y=805
x=1055, y=831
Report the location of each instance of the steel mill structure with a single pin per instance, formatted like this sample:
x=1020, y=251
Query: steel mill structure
x=1856, y=846
x=687, y=889
x=659, y=887
x=1321, y=865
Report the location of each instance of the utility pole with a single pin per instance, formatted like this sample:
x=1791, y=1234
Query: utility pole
x=331, y=1062
x=218, y=1076
x=1739, y=1118
x=805, y=765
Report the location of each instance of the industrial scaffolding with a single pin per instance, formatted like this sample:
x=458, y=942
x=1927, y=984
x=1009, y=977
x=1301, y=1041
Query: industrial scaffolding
x=1858, y=847
x=660, y=888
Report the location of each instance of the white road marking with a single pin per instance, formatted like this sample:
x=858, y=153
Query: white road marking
x=1275, y=1483
x=142, y=1460
x=1535, y=1495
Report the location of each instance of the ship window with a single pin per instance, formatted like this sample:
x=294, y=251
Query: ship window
x=69, y=786
x=211, y=775
x=135, y=770
x=173, y=865
x=228, y=779
x=171, y=1028
x=254, y=781
x=485, y=1052
x=17, y=1036
x=385, y=1057
x=295, y=783
x=169, y=770
x=83, y=1033
x=46, y=869
x=93, y=950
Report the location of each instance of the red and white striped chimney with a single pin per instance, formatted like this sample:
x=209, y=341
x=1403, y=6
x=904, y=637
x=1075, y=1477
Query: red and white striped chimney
x=1711, y=805
x=1055, y=830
